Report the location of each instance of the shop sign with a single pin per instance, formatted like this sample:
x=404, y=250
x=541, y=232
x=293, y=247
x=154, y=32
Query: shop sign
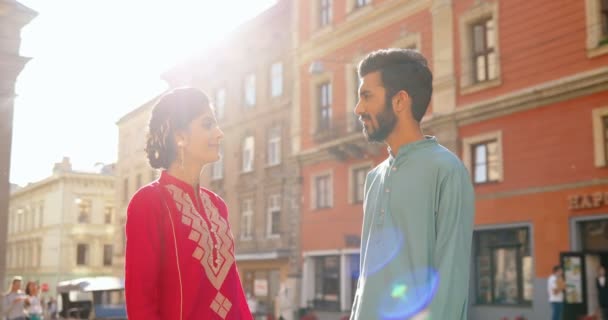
x=587, y=201
x=260, y=287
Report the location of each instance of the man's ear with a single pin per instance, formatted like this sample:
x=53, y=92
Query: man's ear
x=401, y=101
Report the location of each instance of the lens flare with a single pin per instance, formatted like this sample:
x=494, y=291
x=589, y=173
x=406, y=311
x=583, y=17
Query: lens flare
x=384, y=244
x=409, y=295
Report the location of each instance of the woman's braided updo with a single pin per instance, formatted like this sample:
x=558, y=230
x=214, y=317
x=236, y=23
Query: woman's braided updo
x=174, y=111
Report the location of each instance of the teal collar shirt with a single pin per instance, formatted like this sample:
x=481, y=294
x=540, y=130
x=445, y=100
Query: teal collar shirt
x=416, y=239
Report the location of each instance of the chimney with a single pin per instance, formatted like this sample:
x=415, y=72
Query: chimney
x=64, y=166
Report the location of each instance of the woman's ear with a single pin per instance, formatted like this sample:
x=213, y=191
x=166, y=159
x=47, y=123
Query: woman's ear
x=180, y=138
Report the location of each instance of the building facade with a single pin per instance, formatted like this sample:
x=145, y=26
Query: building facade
x=13, y=17
x=250, y=83
x=132, y=170
x=519, y=94
x=62, y=227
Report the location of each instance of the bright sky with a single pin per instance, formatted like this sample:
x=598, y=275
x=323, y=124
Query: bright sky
x=94, y=61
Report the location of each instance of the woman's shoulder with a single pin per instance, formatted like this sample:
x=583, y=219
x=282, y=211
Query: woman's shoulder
x=145, y=196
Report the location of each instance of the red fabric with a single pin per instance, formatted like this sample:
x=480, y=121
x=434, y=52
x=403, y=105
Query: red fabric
x=180, y=255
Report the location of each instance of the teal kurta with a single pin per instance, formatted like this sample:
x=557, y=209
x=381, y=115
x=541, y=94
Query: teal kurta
x=416, y=239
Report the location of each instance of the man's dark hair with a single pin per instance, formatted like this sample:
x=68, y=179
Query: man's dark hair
x=402, y=69
x=556, y=268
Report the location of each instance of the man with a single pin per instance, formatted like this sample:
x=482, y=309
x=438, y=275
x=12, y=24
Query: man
x=602, y=291
x=13, y=301
x=418, y=204
x=555, y=288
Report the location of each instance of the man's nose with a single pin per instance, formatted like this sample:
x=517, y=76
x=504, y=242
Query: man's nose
x=358, y=108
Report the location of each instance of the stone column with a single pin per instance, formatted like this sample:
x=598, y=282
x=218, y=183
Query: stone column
x=13, y=16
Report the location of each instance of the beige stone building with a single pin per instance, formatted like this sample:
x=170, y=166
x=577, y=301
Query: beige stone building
x=132, y=169
x=62, y=227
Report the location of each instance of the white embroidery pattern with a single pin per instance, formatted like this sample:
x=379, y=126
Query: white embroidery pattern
x=216, y=270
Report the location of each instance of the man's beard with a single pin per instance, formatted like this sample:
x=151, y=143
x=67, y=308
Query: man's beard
x=386, y=123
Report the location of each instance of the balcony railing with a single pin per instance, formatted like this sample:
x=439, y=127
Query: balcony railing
x=337, y=128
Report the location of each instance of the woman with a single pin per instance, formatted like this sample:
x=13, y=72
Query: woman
x=34, y=307
x=180, y=260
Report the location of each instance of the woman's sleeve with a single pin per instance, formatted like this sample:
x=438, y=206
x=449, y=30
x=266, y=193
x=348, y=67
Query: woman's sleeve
x=142, y=260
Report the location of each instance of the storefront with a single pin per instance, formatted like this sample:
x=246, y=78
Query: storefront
x=581, y=266
x=263, y=279
x=515, y=249
x=330, y=280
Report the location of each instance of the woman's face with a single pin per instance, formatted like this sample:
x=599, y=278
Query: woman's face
x=201, y=143
x=33, y=289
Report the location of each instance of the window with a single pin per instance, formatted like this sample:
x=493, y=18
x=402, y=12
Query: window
x=357, y=125
x=138, y=182
x=107, y=255
x=593, y=234
x=276, y=76
x=324, y=103
x=486, y=162
x=84, y=210
x=217, y=169
x=503, y=267
x=20, y=213
x=246, y=219
x=220, y=103
x=324, y=12
x=482, y=155
x=247, y=280
x=596, y=12
x=605, y=135
x=82, y=254
x=273, y=227
x=250, y=90
x=248, y=153
x=600, y=136
x=361, y=3
x=28, y=256
x=41, y=214
x=484, y=55
x=123, y=150
x=9, y=257
x=479, y=45
x=108, y=214
x=125, y=190
x=274, y=146
x=323, y=191
x=31, y=211
x=604, y=14
x=327, y=283
x=38, y=254
x=358, y=185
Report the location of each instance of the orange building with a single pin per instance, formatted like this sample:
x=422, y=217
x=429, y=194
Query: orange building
x=519, y=94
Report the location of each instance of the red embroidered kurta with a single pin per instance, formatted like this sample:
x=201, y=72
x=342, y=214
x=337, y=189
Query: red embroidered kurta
x=180, y=262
